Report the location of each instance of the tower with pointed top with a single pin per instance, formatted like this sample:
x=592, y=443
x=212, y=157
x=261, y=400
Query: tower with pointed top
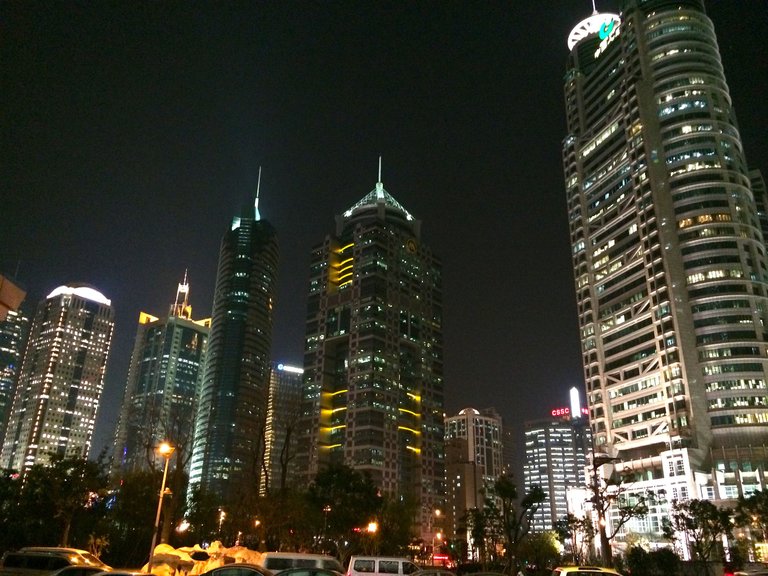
x=163, y=385
x=228, y=454
x=373, y=365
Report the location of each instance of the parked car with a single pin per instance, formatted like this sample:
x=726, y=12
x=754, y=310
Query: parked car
x=583, y=571
x=277, y=562
x=79, y=570
x=310, y=572
x=434, y=572
x=380, y=566
x=42, y=561
x=239, y=569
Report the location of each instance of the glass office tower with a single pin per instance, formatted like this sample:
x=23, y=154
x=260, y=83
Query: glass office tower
x=668, y=253
x=230, y=427
x=373, y=384
x=163, y=386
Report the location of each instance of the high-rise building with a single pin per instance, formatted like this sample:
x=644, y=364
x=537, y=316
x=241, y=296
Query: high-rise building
x=163, y=385
x=13, y=332
x=556, y=451
x=283, y=410
x=373, y=384
x=228, y=450
x=669, y=260
x=61, y=378
x=474, y=461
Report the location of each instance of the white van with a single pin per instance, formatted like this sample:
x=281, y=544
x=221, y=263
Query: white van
x=278, y=561
x=380, y=566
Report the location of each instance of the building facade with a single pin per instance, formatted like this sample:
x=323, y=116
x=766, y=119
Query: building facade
x=283, y=409
x=61, y=379
x=228, y=450
x=668, y=254
x=556, y=451
x=13, y=333
x=164, y=380
x=373, y=382
x=474, y=461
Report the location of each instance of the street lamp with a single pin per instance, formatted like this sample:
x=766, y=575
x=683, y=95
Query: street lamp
x=165, y=450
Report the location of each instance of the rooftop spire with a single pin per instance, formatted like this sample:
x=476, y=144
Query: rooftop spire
x=379, y=185
x=181, y=307
x=257, y=216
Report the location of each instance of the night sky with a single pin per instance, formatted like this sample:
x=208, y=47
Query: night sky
x=131, y=133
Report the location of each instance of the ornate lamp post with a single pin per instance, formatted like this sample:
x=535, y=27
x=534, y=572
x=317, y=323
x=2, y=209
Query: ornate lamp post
x=166, y=451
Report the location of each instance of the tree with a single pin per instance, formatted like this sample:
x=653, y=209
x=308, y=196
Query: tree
x=753, y=512
x=702, y=523
x=539, y=549
x=616, y=503
x=131, y=514
x=515, y=517
x=66, y=489
x=351, y=498
x=581, y=534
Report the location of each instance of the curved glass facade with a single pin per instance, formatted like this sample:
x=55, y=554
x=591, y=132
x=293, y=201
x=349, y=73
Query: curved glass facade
x=668, y=254
x=230, y=428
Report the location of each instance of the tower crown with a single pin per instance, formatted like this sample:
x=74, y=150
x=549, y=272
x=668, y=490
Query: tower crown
x=603, y=24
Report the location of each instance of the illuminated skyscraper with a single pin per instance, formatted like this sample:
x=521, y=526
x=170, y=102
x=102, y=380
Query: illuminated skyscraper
x=61, y=378
x=163, y=386
x=669, y=260
x=474, y=461
x=556, y=450
x=13, y=332
x=229, y=440
x=285, y=383
x=373, y=395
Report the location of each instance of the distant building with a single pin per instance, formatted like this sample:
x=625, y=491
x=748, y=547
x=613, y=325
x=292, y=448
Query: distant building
x=283, y=412
x=373, y=368
x=556, y=457
x=163, y=386
x=474, y=461
x=13, y=333
x=61, y=378
x=228, y=452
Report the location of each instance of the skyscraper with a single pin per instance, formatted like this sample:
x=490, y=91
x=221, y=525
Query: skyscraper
x=163, y=385
x=230, y=427
x=669, y=260
x=556, y=450
x=283, y=409
x=13, y=332
x=474, y=461
x=61, y=378
x=373, y=394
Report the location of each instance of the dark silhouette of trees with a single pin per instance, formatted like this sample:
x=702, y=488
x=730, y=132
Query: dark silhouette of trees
x=703, y=525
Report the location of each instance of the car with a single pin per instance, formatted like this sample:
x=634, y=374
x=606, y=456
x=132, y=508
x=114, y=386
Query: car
x=380, y=566
x=309, y=572
x=583, y=571
x=79, y=570
x=239, y=569
x=752, y=571
x=43, y=560
x=279, y=562
x=434, y=572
